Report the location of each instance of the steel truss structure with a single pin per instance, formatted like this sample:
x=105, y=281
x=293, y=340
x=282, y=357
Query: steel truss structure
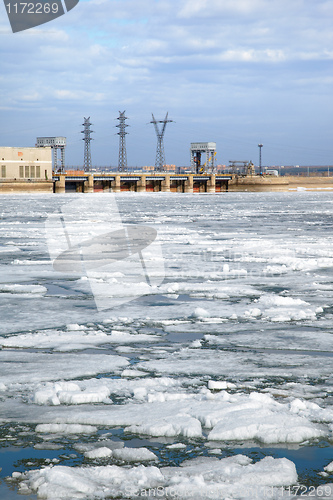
x=160, y=156
x=56, y=144
x=197, y=148
x=122, y=160
x=87, y=139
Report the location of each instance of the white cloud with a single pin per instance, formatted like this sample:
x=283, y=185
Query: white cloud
x=209, y=8
x=252, y=55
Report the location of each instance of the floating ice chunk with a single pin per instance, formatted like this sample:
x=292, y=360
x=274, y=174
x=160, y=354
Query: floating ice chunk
x=329, y=467
x=233, y=477
x=30, y=368
x=278, y=300
x=219, y=385
x=293, y=315
x=199, y=312
x=46, y=397
x=134, y=455
x=9, y=248
x=125, y=337
x=140, y=393
x=132, y=373
x=255, y=312
x=176, y=446
x=84, y=397
x=74, y=339
x=275, y=270
x=103, y=452
x=278, y=308
x=268, y=427
x=23, y=289
x=169, y=426
x=65, y=429
x=75, y=327
x=226, y=478
x=111, y=481
x=159, y=396
x=70, y=396
x=47, y=446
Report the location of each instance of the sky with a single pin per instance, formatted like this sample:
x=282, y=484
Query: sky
x=235, y=72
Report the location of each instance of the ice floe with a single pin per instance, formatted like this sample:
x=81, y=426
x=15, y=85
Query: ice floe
x=234, y=477
x=74, y=339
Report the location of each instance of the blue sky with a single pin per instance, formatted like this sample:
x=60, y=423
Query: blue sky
x=237, y=72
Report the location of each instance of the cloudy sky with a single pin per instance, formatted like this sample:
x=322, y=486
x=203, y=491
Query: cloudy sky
x=237, y=72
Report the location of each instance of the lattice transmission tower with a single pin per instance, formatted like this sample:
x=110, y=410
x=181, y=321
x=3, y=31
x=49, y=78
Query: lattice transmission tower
x=122, y=160
x=87, y=139
x=160, y=156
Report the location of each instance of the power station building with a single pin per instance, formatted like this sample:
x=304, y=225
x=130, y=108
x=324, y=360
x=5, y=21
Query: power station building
x=22, y=165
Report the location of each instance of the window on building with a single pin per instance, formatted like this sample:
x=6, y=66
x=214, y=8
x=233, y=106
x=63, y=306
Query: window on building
x=32, y=171
x=21, y=171
x=26, y=171
x=37, y=171
x=3, y=170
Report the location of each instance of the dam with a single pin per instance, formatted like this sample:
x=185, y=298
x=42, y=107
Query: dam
x=117, y=182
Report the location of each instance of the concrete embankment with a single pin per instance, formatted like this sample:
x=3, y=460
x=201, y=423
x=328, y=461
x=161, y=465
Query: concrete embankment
x=310, y=183
x=285, y=183
x=14, y=186
x=258, y=183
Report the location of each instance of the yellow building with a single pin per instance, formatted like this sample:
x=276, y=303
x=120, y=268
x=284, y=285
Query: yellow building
x=25, y=163
x=25, y=168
